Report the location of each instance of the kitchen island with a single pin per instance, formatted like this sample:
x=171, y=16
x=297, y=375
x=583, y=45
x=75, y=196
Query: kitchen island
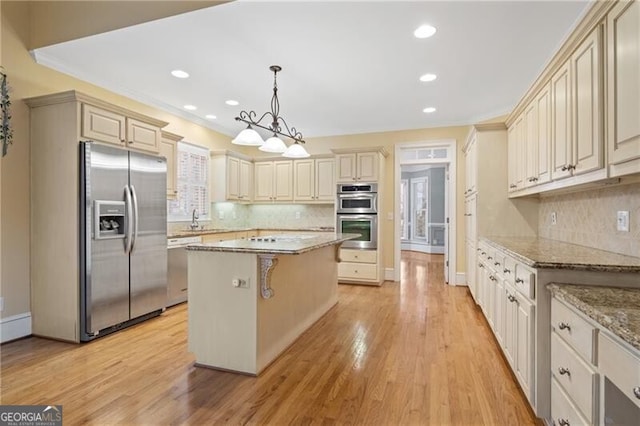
x=250, y=299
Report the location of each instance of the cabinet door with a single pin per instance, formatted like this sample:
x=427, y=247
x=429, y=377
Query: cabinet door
x=561, y=122
x=531, y=144
x=346, y=167
x=481, y=284
x=142, y=136
x=471, y=269
x=499, y=309
x=283, y=180
x=304, y=180
x=102, y=125
x=586, y=71
x=520, y=151
x=512, y=158
x=233, y=178
x=543, y=102
x=325, y=179
x=623, y=52
x=245, y=176
x=263, y=184
x=510, y=329
x=524, y=343
x=168, y=149
x=367, y=166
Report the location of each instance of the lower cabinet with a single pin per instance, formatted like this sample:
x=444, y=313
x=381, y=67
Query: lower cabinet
x=359, y=266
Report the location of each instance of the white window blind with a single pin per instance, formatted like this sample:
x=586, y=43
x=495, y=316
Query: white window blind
x=192, y=182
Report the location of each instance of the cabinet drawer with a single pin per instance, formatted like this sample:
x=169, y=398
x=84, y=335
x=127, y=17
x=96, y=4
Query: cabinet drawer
x=509, y=269
x=358, y=256
x=563, y=412
x=357, y=271
x=577, y=332
x=525, y=281
x=575, y=376
x=620, y=366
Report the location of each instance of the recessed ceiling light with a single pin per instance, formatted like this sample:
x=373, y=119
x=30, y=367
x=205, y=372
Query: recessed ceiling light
x=180, y=74
x=211, y=116
x=190, y=107
x=424, y=31
x=429, y=109
x=428, y=77
x=232, y=102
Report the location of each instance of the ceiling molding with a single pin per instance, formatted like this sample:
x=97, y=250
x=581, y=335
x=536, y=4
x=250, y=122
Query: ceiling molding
x=381, y=149
x=171, y=136
x=484, y=127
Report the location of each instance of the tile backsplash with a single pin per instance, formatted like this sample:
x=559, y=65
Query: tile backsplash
x=588, y=218
x=265, y=216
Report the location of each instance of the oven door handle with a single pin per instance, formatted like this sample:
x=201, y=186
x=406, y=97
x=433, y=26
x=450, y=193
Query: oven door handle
x=357, y=195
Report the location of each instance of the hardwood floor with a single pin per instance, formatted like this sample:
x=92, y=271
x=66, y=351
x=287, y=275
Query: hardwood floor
x=418, y=352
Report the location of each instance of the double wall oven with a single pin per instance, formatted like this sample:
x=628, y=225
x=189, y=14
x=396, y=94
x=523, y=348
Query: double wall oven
x=357, y=213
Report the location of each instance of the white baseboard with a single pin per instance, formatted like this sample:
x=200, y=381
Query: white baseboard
x=461, y=278
x=15, y=326
x=389, y=274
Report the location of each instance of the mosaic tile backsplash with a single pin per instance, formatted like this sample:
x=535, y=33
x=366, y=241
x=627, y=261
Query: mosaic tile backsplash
x=588, y=218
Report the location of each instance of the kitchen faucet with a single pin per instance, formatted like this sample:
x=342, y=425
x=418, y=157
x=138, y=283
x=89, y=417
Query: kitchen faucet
x=194, y=220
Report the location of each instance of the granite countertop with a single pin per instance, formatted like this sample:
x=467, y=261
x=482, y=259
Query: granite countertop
x=615, y=309
x=550, y=254
x=208, y=231
x=283, y=244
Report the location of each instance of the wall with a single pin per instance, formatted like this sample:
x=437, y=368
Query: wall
x=27, y=79
x=588, y=218
x=436, y=191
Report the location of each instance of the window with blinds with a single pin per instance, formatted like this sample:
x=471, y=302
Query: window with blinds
x=192, y=183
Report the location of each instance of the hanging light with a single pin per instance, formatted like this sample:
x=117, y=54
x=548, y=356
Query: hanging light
x=274, y=143
x=248, y=137
x=295, y=151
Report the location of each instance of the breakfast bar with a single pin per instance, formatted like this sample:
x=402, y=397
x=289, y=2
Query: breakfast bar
x=249, y=299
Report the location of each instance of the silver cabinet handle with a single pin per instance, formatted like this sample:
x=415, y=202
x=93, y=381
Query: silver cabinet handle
x=480, y=265
x=564, y=422
x=511, y=298
x=496, y=263
x=519, y=280
x=564, y=371
x=564, y=326
x=636, y=391
x=513, y=186
x=506, y=271
x=489, y=258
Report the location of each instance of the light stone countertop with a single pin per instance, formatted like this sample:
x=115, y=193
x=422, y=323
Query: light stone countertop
x=550, y=254
x=209, y=231
x=615, y=309
x=283, y=244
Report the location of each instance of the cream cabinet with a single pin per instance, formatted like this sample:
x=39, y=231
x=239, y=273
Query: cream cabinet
x=359, y=266
x=561, y=122
x=168, y=148
x=117, y=128
x=623, y=84
x=542, y=139
x=273, y=181
x=471, y=165
x=360, y=167
x=231, y=177
x=314, y=180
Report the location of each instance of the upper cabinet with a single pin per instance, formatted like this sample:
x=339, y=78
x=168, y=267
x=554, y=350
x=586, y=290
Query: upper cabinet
x=231, y=177
x=359, y=164
x=623, y=86
x=314, y=180
x=113, y=126
x=273, y=181
x=168, y=148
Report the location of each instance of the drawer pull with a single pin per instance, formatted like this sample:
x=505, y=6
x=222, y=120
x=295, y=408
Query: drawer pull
x=483, y=253
x=564, y=422
x=506, y=271
x=564, y=326
x=489, y=258
x=511, y=298
x=519, y=280
x=636, y=391
x=564, y=371
x=496, y=263
x=480, y=265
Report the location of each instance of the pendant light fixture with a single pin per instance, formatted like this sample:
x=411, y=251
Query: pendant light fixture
x=274, y=144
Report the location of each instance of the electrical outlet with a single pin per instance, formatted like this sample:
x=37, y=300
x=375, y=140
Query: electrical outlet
x=554, y=218
x=221, y=215
x=297, y=215
x=623, y=221
x=240, y=283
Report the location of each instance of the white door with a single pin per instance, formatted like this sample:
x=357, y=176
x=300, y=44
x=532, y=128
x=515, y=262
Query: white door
x=446, y=225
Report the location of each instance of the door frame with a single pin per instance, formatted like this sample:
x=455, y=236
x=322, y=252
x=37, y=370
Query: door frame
x=450, y=200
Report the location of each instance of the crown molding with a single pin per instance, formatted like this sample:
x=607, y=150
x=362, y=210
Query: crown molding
x=171, y=136
x=381, y=149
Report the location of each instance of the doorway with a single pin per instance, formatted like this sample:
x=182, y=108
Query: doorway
x=414, y=227
x=422, y=214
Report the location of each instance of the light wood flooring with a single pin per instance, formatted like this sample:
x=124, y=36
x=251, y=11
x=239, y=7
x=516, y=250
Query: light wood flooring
x=418, y=353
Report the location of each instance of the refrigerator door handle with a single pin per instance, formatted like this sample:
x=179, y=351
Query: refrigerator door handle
x=135, y=218
x=128, y=242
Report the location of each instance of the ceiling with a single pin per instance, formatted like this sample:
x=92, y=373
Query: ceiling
x=348, y=67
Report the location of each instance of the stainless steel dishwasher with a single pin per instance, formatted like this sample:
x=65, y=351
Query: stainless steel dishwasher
x=177, y=269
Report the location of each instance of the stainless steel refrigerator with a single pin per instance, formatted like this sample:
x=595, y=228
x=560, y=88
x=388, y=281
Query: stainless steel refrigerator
x=123, y=238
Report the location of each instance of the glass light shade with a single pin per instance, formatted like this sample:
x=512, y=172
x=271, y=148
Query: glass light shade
x=296, y=151
x=273, y=144
x=248, y=137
